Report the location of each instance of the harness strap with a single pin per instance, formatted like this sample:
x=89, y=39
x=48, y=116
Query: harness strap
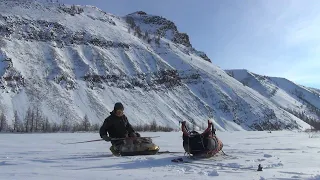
x=184, y=129
x=210, y=125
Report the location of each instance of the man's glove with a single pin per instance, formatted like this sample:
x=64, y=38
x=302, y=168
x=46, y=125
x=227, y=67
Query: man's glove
x=106, y=138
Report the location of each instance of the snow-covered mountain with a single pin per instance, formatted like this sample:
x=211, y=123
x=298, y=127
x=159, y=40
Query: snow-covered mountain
x=69, y=61
x=297, y=99
x=314, y=90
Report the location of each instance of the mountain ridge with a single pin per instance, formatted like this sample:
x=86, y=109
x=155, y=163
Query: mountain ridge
x=282, y=91
x=79, y=60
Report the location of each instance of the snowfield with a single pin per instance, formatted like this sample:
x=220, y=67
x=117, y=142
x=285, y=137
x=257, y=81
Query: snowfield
x=283, y=155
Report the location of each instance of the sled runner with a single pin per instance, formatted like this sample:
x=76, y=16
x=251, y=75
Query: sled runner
x=134, y=147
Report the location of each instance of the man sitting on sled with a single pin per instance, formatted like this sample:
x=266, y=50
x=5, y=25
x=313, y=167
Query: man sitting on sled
x=117, y=126
x=125, y=141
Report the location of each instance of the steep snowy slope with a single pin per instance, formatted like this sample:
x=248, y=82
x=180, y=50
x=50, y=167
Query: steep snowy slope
x=314, y=90
x=286, y=94
x=69, y=61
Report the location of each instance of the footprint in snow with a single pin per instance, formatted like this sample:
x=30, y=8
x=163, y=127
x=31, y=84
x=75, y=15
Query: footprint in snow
x=316, y=177
x=259, y=160
x=267, y=155
x=209, y=173
x=230, y=165
x=274, y=165
x=213, y=173
x=296, y=177
x=5, y=163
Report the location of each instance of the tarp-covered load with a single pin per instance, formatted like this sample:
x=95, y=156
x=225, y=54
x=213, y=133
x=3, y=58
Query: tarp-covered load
x=134, y=146
x=205, y=144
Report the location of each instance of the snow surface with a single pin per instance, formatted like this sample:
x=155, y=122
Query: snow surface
x=282, y=154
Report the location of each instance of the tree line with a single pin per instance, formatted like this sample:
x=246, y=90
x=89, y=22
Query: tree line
x=153, y=127
x=36, y=122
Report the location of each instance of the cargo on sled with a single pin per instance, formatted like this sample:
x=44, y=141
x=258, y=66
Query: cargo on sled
x=205, y=144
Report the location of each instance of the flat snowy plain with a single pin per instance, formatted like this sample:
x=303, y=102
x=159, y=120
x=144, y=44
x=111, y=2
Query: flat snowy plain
x=283, y=155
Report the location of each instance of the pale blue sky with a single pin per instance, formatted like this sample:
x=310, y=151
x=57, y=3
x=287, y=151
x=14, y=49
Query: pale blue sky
x=278, y=38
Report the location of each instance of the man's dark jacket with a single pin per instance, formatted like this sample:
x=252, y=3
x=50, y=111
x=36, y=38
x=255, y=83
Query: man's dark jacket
x=116, y=127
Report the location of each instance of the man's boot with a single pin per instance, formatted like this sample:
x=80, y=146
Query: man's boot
x=115, y=151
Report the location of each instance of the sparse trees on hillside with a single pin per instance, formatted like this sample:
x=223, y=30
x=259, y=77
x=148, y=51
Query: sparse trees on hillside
x=76, y=10
x=27, y=121
x=131, y=22
x=302, y=115
x=46, y=125
x=146, y=35
x=73, y=10
x=86, y=123
x=95, y=127
x=55, y=127
x=137, y=31
x=65, y=125
x=17, y=124
x=37, y=119
x=157, y=40
x=153, y=127
x=3, y=122
x=34, y=120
